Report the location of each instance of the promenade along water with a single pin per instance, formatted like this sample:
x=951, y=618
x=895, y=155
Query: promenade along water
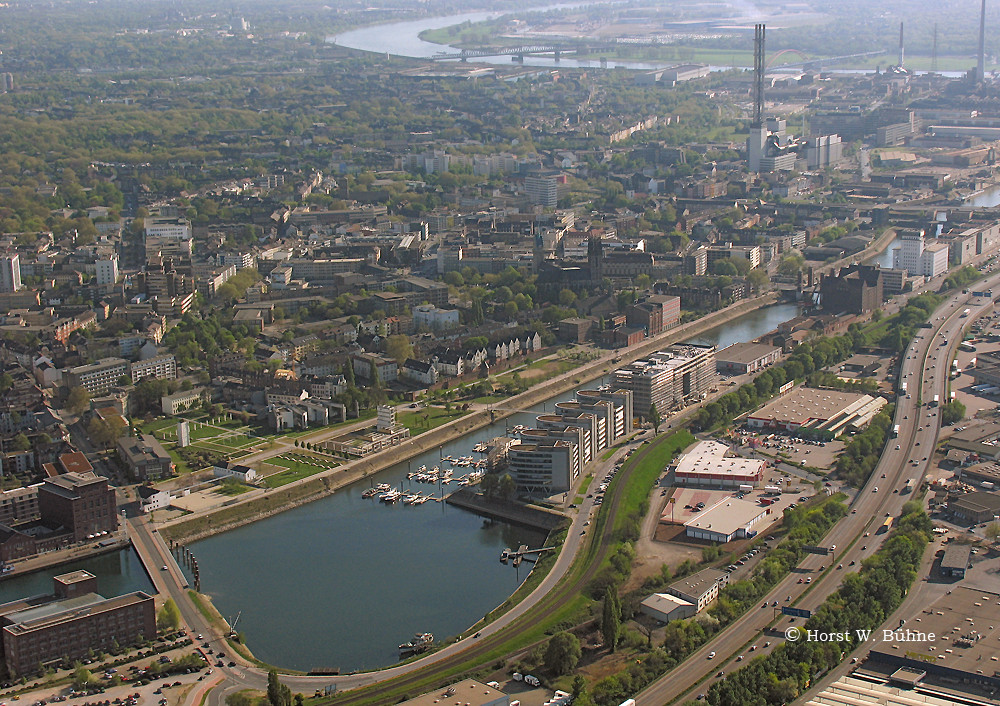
x=341, y=582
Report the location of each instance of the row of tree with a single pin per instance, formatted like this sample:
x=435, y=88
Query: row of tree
x=863, y=602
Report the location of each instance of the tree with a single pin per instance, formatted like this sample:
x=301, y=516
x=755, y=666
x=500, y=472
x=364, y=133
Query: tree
x=654, y=418
x=993, y=531
x=106, y=431
x=562, y=653
x=21, y=442
x=169, y=617
x=399, y=348
x=78, y=400
x=506, y=486
x=611, y=621
x=82, y=678
x=277, y=693
x=489, y=484
x=240, y=698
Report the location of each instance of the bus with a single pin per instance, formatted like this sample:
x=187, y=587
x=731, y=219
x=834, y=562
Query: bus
x=887, y=525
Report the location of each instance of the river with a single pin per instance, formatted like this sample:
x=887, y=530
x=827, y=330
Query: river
x=340, y=582
x=989, y=198
x=403, y=39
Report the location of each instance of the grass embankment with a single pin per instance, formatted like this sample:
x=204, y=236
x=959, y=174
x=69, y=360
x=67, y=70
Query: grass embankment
x=566, y=606
x=428, y=418
x=271, y=502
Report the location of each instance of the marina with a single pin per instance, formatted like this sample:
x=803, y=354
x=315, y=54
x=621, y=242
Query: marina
x=368, y=563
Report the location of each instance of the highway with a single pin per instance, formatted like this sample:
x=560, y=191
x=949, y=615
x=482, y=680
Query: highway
x=925, y=368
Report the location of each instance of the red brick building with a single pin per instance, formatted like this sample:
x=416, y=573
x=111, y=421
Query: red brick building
x=83, y=503
x=43, y=630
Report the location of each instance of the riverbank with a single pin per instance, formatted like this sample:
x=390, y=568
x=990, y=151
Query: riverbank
x=199, y=525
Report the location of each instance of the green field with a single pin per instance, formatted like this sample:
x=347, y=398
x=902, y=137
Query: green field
x=436, y=416
x=297, y=466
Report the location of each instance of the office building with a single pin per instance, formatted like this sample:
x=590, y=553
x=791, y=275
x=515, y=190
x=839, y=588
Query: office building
x=545, y=467
x=107, y=271
x=75, y=621
x=669, y=379
x=83, y=503
x=700, y=589
x=97, y=378
x=162, y=367
x=728, y=519
x=542, y=189
x=10, y=273
x=918, y=257
x=173, y=228
x=824, y=151
x=144, y=457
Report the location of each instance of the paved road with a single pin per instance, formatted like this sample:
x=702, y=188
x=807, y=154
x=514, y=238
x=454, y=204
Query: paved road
x=925, y=368
x=244, y=676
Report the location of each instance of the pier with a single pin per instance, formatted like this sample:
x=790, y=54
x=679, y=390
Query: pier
x=539, y=518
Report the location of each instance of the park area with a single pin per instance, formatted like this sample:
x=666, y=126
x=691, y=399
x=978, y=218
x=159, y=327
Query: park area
x=292, y=466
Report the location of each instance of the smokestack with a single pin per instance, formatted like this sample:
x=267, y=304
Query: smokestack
x=901, y=44
x=758, y=75
x=981, y=67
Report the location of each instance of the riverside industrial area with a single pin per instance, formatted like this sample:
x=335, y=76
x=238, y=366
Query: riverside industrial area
x=709, y=356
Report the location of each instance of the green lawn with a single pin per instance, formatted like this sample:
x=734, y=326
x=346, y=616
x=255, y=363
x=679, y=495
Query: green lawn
x=297, y=466
x=436, y=416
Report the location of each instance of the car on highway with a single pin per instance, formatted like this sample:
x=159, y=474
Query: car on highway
x=711, y=655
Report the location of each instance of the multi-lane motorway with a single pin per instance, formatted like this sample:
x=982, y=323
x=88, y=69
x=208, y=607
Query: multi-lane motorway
x=925, y=368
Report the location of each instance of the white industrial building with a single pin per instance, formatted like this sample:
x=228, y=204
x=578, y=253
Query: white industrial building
x=728, y=519
x=707, y=465
x=918, y=257
x=664, y=607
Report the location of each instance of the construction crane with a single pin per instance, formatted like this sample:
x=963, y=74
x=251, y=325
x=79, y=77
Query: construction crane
x=232, y=626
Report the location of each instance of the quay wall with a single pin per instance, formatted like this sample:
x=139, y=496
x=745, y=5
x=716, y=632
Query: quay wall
x=260, y=504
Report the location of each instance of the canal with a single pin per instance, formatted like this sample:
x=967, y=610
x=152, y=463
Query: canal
x=342, y=581
x=117, y=573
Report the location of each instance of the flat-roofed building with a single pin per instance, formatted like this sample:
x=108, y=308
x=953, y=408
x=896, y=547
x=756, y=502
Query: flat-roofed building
x=669, y=378
x=728, y=519
x=700, y=589
x=97, y=378
x=161, y=367
x=956, y=560
x=976, y=507
x=707, y=464
x=43, y=630
x=743, y=358
x=83, y=503
x=954, y=640
x=544, y=466
x=819, y=412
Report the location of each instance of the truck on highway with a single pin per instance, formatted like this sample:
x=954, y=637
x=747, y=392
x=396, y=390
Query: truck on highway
x=903, y=387
x=966, y=313
x=935, y=401
x=908, y=488
x=895, y=431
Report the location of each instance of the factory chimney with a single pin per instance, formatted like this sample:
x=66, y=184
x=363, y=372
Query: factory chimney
x=981, y=66
x=757, y=141
x=900, y=45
